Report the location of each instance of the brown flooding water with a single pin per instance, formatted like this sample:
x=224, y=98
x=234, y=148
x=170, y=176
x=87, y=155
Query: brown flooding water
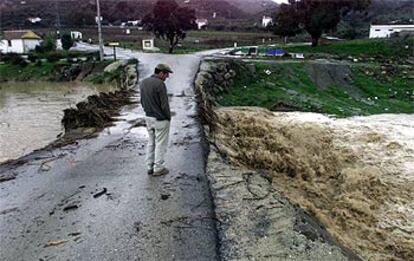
x=356, y=175
x=30, y=113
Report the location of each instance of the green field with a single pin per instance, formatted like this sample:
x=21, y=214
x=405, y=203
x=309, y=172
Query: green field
x=290, y=85
x=370, y=47
x=203, y=40
x=386, y=48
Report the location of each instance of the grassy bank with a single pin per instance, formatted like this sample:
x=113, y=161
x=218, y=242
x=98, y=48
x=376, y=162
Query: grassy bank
x=291, y=86
x=33, y=71
x=45, y=70
x=402, y=47
x=370, y=47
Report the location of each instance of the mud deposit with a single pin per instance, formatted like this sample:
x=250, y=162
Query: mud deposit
x=355, y=175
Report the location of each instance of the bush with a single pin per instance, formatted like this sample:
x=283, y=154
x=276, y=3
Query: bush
x=33, y=57
x=54, y=56
x=133, y=61
x=14, y=59
x=67, y=41
x=47, y=45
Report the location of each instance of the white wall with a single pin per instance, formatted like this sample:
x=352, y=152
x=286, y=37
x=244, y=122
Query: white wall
x=30, y=44
x=266, y=21
x=384, y=31
x=76, y=35
x=18, y=45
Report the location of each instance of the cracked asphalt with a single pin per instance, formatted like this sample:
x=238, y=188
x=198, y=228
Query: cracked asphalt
x=94, y=201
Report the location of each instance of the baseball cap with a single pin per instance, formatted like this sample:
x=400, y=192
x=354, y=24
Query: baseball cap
x=164, y=67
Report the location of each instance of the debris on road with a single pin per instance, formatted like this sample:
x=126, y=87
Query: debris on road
x=70, y=207
x=165, y=196
x=55, y=243
x=8, y=210
x=74, y=234
x=100, y=193
x=7, y=177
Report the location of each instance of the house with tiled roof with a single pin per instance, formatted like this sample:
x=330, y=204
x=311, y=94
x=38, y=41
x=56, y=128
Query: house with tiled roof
x=19, y=41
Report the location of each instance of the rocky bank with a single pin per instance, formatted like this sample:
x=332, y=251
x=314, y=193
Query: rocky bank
x=282, y=180
x=255, y=220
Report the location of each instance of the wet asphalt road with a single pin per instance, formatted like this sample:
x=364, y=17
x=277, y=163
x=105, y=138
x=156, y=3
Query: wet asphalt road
x=49, y=211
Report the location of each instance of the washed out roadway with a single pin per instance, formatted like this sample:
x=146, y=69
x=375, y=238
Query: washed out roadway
x=94, y=200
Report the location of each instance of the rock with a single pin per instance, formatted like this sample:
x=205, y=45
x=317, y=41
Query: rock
x=207, y=67
x=232, y=73
x=206, y=75
x=252, y=68
x=221, y=67
x=115, y=65
x=200, y=81
x=227, y=76
x=218, y=78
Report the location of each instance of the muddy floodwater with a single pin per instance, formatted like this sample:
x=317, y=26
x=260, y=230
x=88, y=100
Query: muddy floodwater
x=30, y=113
x=356, y=175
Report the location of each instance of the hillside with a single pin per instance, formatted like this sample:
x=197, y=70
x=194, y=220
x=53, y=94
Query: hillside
x=15, y=14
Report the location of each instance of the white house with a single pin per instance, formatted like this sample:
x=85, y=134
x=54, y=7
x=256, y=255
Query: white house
x=34, y=20
x=148, y=45
x=76, y=35
x=384, y=31
x=20, y=41
x=201, y=23
x=134, y=22
x=266, y=20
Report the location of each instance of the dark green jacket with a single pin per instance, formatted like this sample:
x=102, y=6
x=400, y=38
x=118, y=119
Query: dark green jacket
x=154, y=98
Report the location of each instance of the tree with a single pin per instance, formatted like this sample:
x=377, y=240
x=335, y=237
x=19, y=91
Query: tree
x=318, y=16
x=286, y=22
x=47, y=45
x=170, y=22
x=67, y=41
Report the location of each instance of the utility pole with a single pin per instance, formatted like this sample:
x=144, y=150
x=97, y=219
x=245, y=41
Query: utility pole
x=57, y=18
x=101, y=51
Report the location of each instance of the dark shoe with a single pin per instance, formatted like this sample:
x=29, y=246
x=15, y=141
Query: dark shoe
x=150, y=172
x=161, y=172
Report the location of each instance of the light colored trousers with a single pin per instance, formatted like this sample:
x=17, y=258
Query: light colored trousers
x=157, y=143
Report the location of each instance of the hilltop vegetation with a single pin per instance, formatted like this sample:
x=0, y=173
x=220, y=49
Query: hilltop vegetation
x=230, y=14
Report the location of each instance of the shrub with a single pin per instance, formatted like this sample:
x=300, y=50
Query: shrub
x=14, y=59
x=33, y=57
x=53, y=56
x=133, y=61
x=47, y=45
x=67, y=41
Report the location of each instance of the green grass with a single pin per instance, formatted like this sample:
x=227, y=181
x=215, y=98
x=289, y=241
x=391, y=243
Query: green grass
x=31, y=71
x=290, y=84
x=369, y=47
x=206, y=40
x=36, y=71
x=387, y=48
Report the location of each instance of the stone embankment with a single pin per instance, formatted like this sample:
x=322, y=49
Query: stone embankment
x=255, y=221
x=98, y=111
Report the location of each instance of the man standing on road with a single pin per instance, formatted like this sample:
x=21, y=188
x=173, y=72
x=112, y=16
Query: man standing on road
x=154, y=100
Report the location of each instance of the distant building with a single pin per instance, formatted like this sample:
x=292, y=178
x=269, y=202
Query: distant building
x=19, y=41
x=385, y=31
x=134, y=22
x=148, y=45
x=34, y=20
x=76, y=35
x=201, y=23
x=266, y=20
